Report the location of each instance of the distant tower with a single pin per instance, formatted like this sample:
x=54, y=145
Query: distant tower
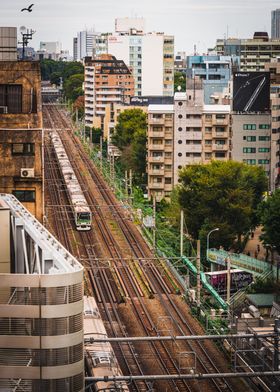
x=275, y=23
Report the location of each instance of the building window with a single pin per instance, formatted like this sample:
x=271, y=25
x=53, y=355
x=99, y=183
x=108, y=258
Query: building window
x=23, y=149
x=168, y=154
x=11, y=98
x=263, y=161
x=250, y=161
x=250, y=138
x=167, y=180
x=180, y=116
x=179, y=167
x=180, y=142
x=264, y=138
x=180, y=103
x=208, y=142
x=264, y=126
x=24, y=196
x=249, y=127
x=208, y=129
x=220, y=154
x=220, y=116
x=208, y=155
x=180, y=129
x=249, y=150
x=179, y=154
x=264, y=149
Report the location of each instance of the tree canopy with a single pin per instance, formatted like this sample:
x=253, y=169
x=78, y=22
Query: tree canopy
x=130, y=137
x=221, y=194
x=270, y=219
x=179, y=80
x=73, y=87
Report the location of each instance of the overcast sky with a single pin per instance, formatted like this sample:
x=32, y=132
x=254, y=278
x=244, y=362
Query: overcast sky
x=192, y=22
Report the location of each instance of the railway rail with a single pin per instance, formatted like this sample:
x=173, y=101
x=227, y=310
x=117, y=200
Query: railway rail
x=120, y=282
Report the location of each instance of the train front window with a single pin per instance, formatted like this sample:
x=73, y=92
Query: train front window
x=84, y=217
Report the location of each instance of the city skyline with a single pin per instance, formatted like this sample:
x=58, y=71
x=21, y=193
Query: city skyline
x=183, y=20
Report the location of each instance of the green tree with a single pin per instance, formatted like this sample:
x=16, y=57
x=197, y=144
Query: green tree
x=73, y=87
x=269, y=213
x=55, y=78
x=221, y=194
x=130, y=137
x=179, y=80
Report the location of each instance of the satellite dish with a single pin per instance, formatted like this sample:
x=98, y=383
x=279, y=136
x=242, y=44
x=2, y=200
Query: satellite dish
x=22, y=29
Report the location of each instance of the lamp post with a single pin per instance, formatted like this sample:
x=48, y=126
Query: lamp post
x=207, y=246
x=208, y=235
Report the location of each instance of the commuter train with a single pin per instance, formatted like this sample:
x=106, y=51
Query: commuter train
x=100, y=360
x=80, y=208
x=239, y=279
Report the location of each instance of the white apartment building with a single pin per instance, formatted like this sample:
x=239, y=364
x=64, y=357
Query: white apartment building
x=51, y=47
x=151, y=57
x=124, y=25
x=188, y=109
x=83, y=45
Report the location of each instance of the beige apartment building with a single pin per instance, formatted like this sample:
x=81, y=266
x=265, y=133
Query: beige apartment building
x=107, y=81
x=216, y=133
x=160, y=151
x=254, y=53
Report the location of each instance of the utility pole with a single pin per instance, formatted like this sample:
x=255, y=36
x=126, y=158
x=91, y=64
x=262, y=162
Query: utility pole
x=276, y=344
x=181, y=234
x=228, y=280
x=113, y=167
x=126, y=185
x=198, y=272
x=130, y=185
x=154, y=222
x=77, y=116
x=101, y=155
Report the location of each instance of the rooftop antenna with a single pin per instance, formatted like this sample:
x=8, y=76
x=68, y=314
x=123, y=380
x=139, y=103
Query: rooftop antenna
x=194, y=50
x=26, y=37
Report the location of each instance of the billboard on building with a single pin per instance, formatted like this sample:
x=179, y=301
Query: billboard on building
x=251, y=92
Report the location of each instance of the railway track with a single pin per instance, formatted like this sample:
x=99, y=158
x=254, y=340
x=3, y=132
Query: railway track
x=118, y=281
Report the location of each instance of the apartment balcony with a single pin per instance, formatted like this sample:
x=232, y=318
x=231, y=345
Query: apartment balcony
x=208, y=147
x=193, y=135
x=168, y=187
x=156, y=185
x=168, y=161
x=157, y=160
x=220, y=121
x=193, y=123
x=156, y=172
x=156, y=134
x=156, y=147
x=219, y=147
x=108, y=99
x=158, y=121
x=220, y=135
x=193, y=148
x=108, y=92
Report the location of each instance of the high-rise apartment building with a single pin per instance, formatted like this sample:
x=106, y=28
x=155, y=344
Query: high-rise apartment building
x=151, y=58
x=254, y=53
x=21, y=141
x=188, y=109
x=160, y=151
x=216, y=129
x=275, y=24
x=41, y=307
x=107, y=80
x=83, y=45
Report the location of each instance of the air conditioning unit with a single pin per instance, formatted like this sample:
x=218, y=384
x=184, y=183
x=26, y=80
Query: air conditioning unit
x=27, y=173
x=3, y=109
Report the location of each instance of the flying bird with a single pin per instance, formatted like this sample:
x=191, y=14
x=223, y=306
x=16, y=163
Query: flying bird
x=29, y=9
